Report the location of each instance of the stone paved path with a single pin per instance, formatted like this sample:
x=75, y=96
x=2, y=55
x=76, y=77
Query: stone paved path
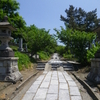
x=53, y=85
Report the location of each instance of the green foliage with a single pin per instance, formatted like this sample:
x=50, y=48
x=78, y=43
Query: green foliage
x=68, y=56
x=76, y=42
x=60, y=49
x=43, y=55
x=92, y=51
x=39, y=40
x=23, y=61
x=81, y=20
x=10, y=9
x=15, y=48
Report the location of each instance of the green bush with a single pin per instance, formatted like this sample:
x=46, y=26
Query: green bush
x=43, y=55
x=68, y=55
x=91, y=52
x=23, y=61
x=60, y=49
x=15, y=48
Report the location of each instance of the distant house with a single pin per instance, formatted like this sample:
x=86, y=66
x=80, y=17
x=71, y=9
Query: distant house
x=97, y=30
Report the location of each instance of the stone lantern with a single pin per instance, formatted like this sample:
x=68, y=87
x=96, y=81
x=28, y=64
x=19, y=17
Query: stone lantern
x=94, y=74
x=8, y=63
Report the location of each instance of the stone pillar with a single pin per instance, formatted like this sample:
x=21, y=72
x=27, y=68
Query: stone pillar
x=20, y=45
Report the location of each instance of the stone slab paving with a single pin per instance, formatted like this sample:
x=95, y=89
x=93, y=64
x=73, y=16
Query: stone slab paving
x=53, y=85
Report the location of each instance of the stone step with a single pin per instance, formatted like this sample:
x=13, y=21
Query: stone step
x=55, y=68
x=66, y=66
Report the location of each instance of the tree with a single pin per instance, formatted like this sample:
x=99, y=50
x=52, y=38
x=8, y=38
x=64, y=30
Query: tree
x=39, y=40
x=10, y=9
x=76, y=41
x=81, y=20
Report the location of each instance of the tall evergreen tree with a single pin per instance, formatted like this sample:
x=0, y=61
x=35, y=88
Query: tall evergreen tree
x=81, y=20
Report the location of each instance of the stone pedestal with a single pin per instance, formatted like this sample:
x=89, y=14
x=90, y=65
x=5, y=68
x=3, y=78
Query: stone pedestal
x=94, y=74
x=9, y=69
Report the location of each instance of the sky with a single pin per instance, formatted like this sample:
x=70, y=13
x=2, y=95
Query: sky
x=46, y=13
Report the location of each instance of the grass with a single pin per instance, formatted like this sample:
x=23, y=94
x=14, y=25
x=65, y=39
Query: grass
x=23, y=61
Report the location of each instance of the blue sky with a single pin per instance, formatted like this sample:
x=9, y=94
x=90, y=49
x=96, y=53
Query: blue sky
x=46, y=13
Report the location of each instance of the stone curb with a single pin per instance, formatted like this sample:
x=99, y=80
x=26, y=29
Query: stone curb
x=87, y=87
x=25, y=81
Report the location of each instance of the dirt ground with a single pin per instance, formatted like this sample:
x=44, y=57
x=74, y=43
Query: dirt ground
x=7, y=89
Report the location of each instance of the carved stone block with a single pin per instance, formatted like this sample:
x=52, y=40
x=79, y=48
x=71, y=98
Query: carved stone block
x=9, y=69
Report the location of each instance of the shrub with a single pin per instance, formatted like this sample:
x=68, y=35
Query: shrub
x=43, y=55
x=91, y=52
x=15, y=48
x=68, y=56
x=23, y=61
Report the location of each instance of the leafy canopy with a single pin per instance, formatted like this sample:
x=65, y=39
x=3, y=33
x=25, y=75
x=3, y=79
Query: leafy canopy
x=10, y=8
x=76, y=41
x=39, y=40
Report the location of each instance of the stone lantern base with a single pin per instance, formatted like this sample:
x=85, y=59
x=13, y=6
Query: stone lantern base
x=9, y=69
x=94, y=74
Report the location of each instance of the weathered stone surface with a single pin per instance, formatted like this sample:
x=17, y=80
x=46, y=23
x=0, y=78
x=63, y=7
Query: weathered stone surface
x=6, y=53
x=64, y=95
x=53, y=89
x=68, y=78
x=49, y=73
x=20, y=45
x=28, y=96
x=45, y=72
x=94, y=74
x=60, y=69
x=40, y=78
x=54, y=78
x=72, y=83
x=41, y=94
x=63, y=86
x=37, y=82
x=33, y=88
x=9, y=69
x=62, y=80
x=48, y=67
x=47, y=79
x=44, y=85
x=52, y=97
x=1, y=64
x=54, y=82
x=74, y=91
x=76, y=98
